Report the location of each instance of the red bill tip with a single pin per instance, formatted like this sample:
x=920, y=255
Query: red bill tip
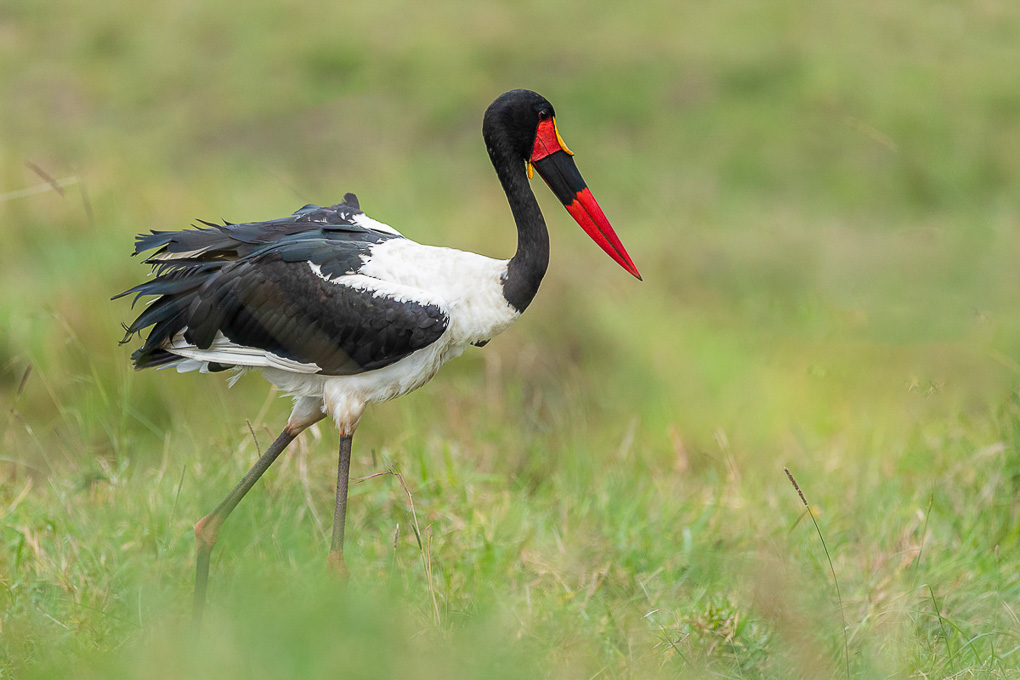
x=586, y=212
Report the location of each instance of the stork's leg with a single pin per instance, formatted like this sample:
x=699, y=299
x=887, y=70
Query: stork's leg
x=208, y=528
x=306, y=411
x=343, y=473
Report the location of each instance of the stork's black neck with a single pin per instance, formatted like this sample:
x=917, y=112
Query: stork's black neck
x=528, y=265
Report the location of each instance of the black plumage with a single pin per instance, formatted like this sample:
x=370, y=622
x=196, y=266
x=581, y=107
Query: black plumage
x=254, y=283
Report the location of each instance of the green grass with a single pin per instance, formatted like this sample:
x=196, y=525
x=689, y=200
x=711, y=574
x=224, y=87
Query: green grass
x=823, y=200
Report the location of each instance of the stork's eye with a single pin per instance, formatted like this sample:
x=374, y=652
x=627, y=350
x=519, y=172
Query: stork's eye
x=544, y=114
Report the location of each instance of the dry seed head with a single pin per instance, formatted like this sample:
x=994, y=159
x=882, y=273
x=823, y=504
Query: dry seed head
x=796, y=486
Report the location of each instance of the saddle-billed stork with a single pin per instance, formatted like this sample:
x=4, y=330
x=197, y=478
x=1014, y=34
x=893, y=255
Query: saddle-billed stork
x=340, y=311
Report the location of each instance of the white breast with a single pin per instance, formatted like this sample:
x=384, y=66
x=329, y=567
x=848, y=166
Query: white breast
x=468, y=286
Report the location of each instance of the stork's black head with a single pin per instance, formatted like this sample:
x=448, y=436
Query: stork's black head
x=520, y=128
x=511, y=122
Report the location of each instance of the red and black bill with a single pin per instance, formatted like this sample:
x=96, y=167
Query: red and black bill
x=555, y=164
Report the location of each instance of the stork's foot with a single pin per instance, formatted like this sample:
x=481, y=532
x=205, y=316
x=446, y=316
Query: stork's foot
x=337, y=565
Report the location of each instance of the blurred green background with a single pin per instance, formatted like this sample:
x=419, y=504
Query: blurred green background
x=822, y=198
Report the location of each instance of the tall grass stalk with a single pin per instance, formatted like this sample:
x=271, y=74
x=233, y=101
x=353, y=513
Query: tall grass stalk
x=425, y=551
x=942, y=625
x=832, y=569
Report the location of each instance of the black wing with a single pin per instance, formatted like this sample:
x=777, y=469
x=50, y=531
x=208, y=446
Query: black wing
x=254, y=283
x=229, y=241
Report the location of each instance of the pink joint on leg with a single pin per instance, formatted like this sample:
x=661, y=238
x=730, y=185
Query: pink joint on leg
x=207, y=530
